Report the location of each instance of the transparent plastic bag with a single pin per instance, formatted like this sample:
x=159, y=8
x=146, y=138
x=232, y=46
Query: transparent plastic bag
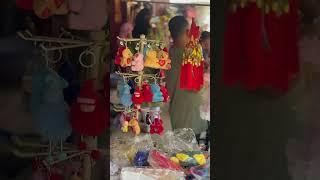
x=131, y=173
x=159, y=160
x=179, y=140
x=201, y=172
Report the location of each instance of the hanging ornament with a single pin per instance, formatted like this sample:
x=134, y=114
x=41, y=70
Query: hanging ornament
x=157, y=94
x=137, y=97
x=125, y=95
x=191, y=72
x=117, y=60
x=163, y=60
x=126, y=58
x=147, y=93
x=89, y=115
x=49, y=111
x=134, y=124
x=165, y=93
x=157, y=126
x=137, y=62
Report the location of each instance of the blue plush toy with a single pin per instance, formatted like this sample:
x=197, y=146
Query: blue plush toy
x=49, y=110
x=125, y=95
x=157, y=94
x=131, y=84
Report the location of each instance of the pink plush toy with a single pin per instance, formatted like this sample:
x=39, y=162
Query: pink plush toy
x=137, y=63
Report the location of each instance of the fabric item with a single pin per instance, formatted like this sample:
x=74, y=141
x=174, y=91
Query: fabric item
x=165, y=93
x=267, y=59
x=126, y=30
x=147, y=93
x=125, y=95
x=184, y=105
x=137, y=97
x=89, y=115
x=157, y=94
x=126, y=58
x=49, y=111
x=192, y=66
x=25, y=4
x=46, y=8
x=137, y=62
x=87, y=14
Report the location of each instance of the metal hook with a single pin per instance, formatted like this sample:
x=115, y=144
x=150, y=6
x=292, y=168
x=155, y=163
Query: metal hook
x=86, y=52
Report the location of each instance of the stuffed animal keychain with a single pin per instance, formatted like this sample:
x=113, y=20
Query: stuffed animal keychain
x=163, y=59
x=125, y=95
x=151, y=59
x=157, y=94
x=89, y=114
x=137, y=62
x=137, y=97
x=48, y=108
x=147, y=92
x=126, y=58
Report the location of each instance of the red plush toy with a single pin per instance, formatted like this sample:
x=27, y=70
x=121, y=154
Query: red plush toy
x=89, y=115
x=157, y=126
x=146, y=92
x=164, y=92
x=137, y=97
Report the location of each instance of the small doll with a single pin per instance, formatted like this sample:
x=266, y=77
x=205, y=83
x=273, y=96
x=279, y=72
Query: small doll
x=49, y=110
x=137, y=62
x=157, y=94
x=137, y=97
x=124, y=123
x=125, y=95
x=126, y=58
x=89, y=114
x=147, y=93
x=134, y=124
x=151, y=59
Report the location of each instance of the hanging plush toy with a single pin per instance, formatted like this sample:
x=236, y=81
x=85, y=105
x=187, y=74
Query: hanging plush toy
x=157, y=126
x=157, y=94
x=165, y=93
x=192, y=68
x=126, y=58
x=89, y=115
x=137, y=62
x=118, y=57
x=163, y=59
x=125, y=95
x=147, y=93
x=134, y=124
x=50, y=112
x=151, y=59
x=137, y=97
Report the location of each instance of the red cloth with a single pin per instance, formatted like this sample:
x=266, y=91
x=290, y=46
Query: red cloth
x=89, y=123
x=248, y=62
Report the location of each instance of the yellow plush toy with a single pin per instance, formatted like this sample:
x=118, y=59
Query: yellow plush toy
x=151, y=60
x=126, y=58
x=200, y=158
x=134, y=124
x=125, y=126
x=163, y=60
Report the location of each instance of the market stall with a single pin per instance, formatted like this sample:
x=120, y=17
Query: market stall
x=142, y=145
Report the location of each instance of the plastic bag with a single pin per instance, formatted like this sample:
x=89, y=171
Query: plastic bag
x=178, y=140
x=159, y=160
x=138, y=152
x=201, y=172
x=150, y=174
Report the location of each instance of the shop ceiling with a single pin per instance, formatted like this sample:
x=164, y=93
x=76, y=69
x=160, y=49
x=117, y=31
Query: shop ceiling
x=190, y=2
